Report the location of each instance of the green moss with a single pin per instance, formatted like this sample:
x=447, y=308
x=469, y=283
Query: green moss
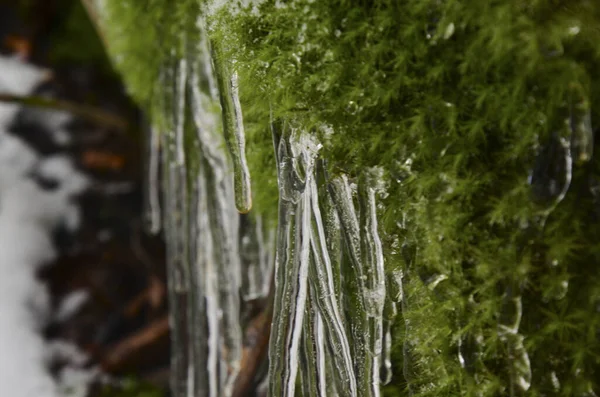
x=131, y=388
x=457, y=101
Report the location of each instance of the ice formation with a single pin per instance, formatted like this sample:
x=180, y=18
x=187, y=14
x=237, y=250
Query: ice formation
x=327, y=241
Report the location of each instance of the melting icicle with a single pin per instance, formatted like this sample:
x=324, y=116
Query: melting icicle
x=322, y=282
x=233, y=129
x=312, y=358
x=353, y=279
x=175, y=220
x=292, y=257
x=508, y=330
x=331, y=225
x=409, y=253
x=390, y=311
x=207, y=323
x=177, y=286
x=222, y=225
x=217, y=256
x=152, y=205
x=375, y=282
x=385, y=369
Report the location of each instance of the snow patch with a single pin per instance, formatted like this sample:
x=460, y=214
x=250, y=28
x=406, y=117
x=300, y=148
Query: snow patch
x=28, y=216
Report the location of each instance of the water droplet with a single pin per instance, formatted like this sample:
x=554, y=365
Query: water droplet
x=449, y=31
x=352, y=107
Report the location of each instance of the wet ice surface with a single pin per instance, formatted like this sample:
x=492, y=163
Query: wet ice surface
x=311, y=316
x=233, y=128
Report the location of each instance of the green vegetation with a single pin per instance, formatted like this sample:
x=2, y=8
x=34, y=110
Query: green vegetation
x=130, y=388
x=471, y=108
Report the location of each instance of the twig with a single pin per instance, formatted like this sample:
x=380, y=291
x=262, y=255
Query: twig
x=123, y=350
x=84, y=111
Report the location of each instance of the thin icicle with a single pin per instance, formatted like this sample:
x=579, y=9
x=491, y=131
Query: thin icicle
x=210, y=286
x=292, y=261
x=353, y=282
x=177, y=287
x=312, y=357
x=332, y=227
x=401, y=278
x=223, y=226
x=385, y=367
x=233, y=129
x=322, y=282
x=175, y=218
x=375, y=274
x=331, y=378
x=152, y=210
x=200, y=254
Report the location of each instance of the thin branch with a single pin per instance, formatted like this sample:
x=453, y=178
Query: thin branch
x=119, y=354
x=89, y=113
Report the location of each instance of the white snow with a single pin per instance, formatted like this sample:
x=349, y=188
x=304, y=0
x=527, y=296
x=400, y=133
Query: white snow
x=71, y=304
x=28, y=215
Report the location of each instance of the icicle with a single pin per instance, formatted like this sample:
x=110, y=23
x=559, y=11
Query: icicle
x=177, y=286
x=152, y=206
x=220, y=231
x=176, y=234
x=331, y=224
x=375, y=274
x=353, y=280
x=519, y=365
x=225, y=226
x=312, y=357
x=385, y=368
x=292, y=257
x=330, y=375
x=409, y=253
x=233, y=129
x=322, y=282
x=205, y=295
x=207, y=344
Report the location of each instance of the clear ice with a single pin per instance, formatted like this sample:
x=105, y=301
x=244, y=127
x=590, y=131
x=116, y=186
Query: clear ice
x=233, y=128
x=324, y=259
x=152, y=196
x=337, y=340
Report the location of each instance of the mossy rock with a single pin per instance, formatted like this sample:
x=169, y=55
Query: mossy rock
x=479, y=114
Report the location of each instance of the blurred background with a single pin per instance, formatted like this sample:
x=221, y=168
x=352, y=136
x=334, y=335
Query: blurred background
x=87, y=314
